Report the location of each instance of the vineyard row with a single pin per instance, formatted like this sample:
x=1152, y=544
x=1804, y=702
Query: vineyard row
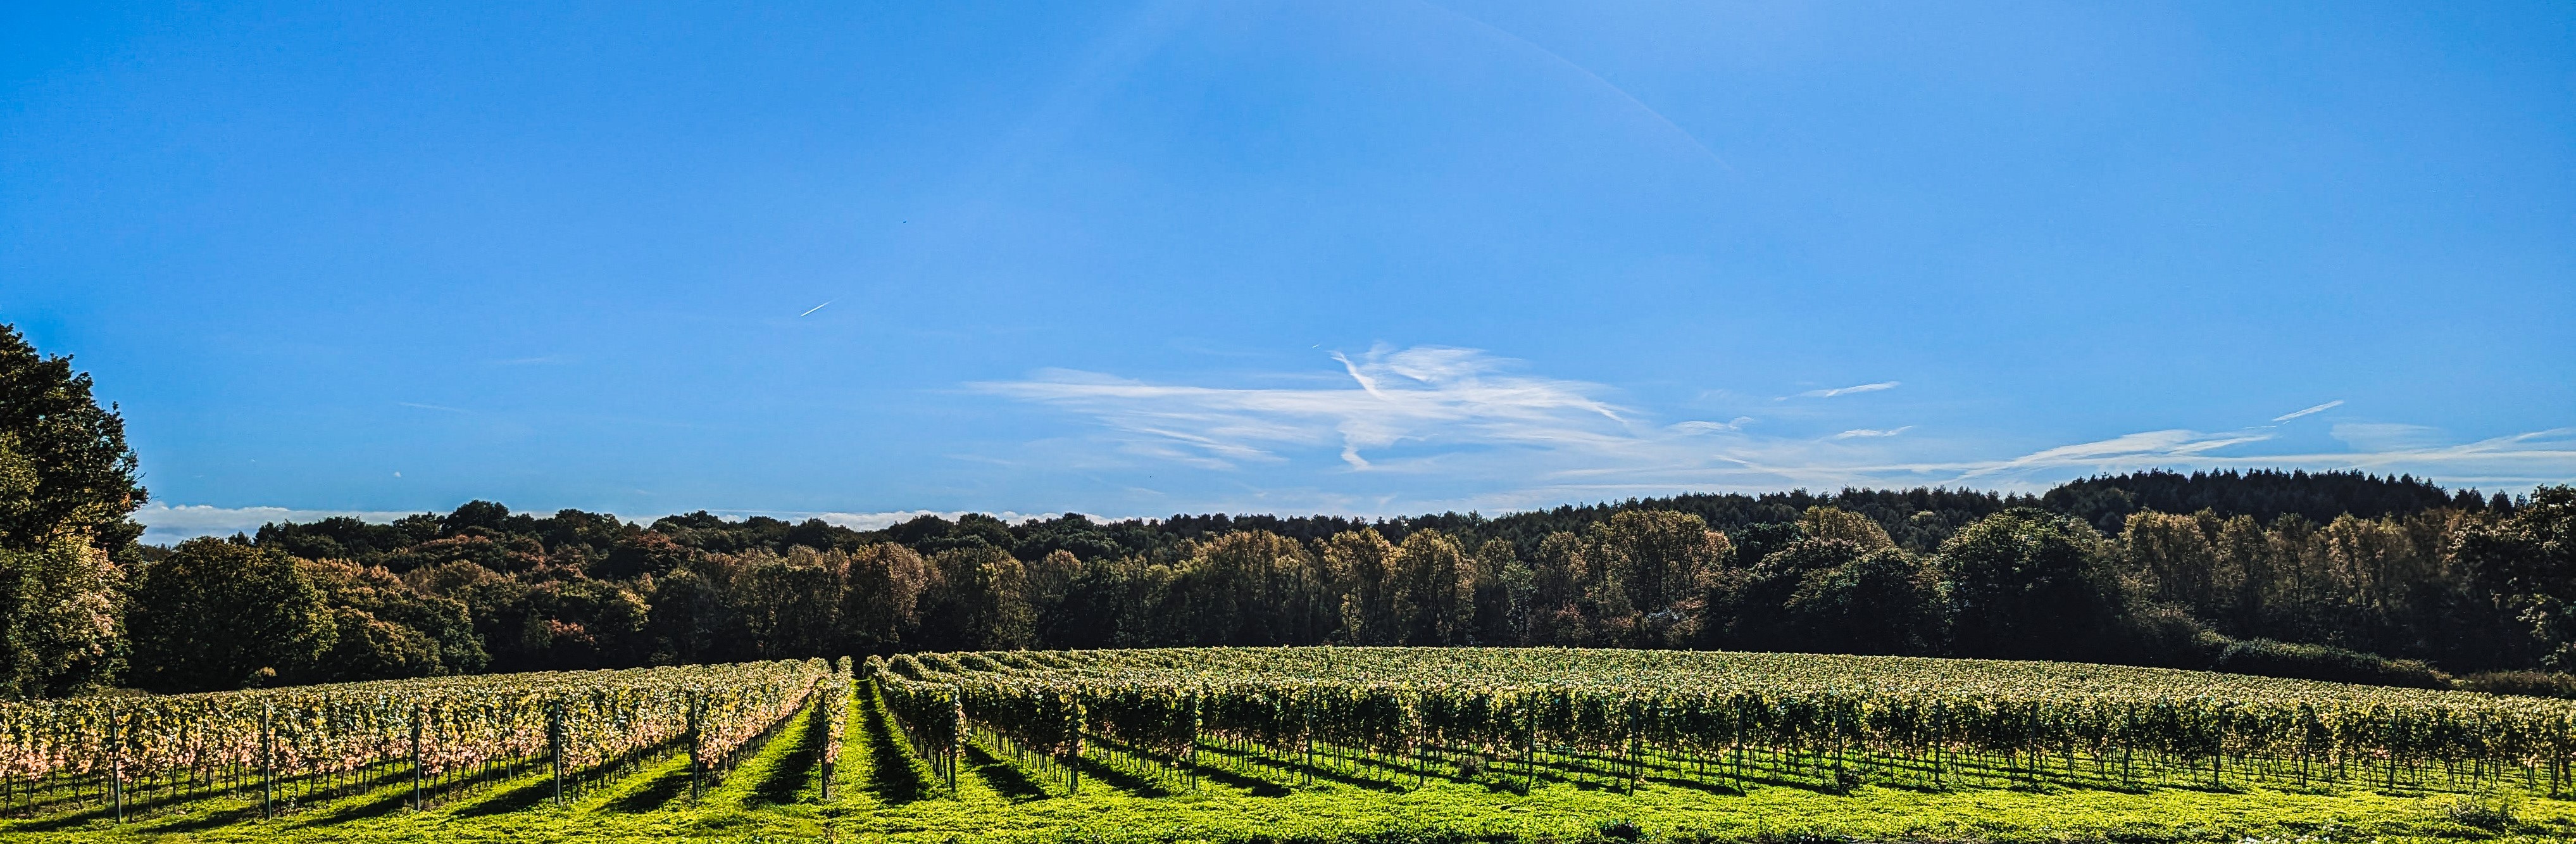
x=1834, y=720
x=295, y=743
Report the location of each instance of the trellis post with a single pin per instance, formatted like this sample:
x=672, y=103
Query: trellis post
x=555, y=745
x=697, y=766
x=115, y=765
x=416, y=718
x=267, y=762
x=840, y=697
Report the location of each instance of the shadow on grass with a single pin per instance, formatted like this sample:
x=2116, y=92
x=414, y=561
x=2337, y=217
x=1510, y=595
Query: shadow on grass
x=510, y=800
x=1005, y=777
x=654, y=793
x=1292, y=766
x=1702, y=786
x=891, y=777
x=1093, y=771
x=209, y=820
x=59, y=823
x=787, y=775
x=142, y=805
x=1257, y=786
x=367, y=806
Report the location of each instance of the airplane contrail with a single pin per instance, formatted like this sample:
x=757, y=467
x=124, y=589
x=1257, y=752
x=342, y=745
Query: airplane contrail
x=813, y=309
x=2289, y=416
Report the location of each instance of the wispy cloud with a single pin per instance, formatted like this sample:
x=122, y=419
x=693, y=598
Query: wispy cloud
x=2139, y=450
x=1422, y=395
x=2317, y=409
x=437, y=407
x=1843, y=391
x=2386, y=436
x=1698, y=426
x=1492, y=435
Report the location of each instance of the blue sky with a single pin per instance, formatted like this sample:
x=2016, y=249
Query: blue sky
x=1363, y=258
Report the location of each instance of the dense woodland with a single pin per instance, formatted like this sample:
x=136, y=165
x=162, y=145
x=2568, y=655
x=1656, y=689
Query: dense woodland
x=2330, y=575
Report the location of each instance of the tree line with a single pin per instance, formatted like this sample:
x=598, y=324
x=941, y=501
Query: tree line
x=2335, y=575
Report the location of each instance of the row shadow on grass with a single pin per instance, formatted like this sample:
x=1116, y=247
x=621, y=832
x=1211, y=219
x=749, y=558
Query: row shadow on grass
x=778, y=785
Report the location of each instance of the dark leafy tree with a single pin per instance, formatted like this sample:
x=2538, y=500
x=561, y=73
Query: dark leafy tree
x=2028, y=584
x=1887, y=601
x=67, y=467
x=216, y=615
x=2529, y=559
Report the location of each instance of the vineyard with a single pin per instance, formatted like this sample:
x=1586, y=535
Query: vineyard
x=434, y=736
x=1617, y=718
x=1324, y=743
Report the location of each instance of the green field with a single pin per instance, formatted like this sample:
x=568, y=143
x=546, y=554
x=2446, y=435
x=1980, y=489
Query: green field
x=1236, y=791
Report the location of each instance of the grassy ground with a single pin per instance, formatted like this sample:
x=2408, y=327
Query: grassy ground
x=883, y=794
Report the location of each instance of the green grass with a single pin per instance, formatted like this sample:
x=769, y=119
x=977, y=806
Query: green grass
x=883, y=794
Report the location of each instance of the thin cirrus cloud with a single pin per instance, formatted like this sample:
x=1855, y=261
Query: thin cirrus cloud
x=1423, y=396
x=1843, y=391
x=2317, y=409
x=1429, y=428
x=1460, y=417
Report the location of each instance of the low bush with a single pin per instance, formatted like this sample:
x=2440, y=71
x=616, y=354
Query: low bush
x=2532, y=683
x=2268, y=658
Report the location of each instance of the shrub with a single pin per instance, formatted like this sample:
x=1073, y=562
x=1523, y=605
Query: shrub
x=2532, y=683
x=2320, y=662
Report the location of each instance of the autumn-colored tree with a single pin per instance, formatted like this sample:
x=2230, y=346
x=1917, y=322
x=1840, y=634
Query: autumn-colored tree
x=1250, y=588
x=881, y=608
x=57, y=617
x=1434, y=592
x=1361, y=564
x=388, y=629
x=791, y=604
x=1823, y=522
x=979, y=601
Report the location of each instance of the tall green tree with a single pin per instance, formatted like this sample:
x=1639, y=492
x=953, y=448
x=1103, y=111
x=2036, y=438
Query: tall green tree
x=215, y=615
x=67, y=463
x=1885, y=602
x=2528, y=561
x=67, y=485
x=2028, y=584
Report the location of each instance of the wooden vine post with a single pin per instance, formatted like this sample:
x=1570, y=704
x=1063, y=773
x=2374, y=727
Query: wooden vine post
x=957, y=735
x=267, y=762
x=697, y=766
x=417, y=715
x=555, y=745
x=829, y=752
x=115, y=765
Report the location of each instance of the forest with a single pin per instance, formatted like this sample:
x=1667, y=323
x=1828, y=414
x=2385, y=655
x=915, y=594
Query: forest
x=2332, y=575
